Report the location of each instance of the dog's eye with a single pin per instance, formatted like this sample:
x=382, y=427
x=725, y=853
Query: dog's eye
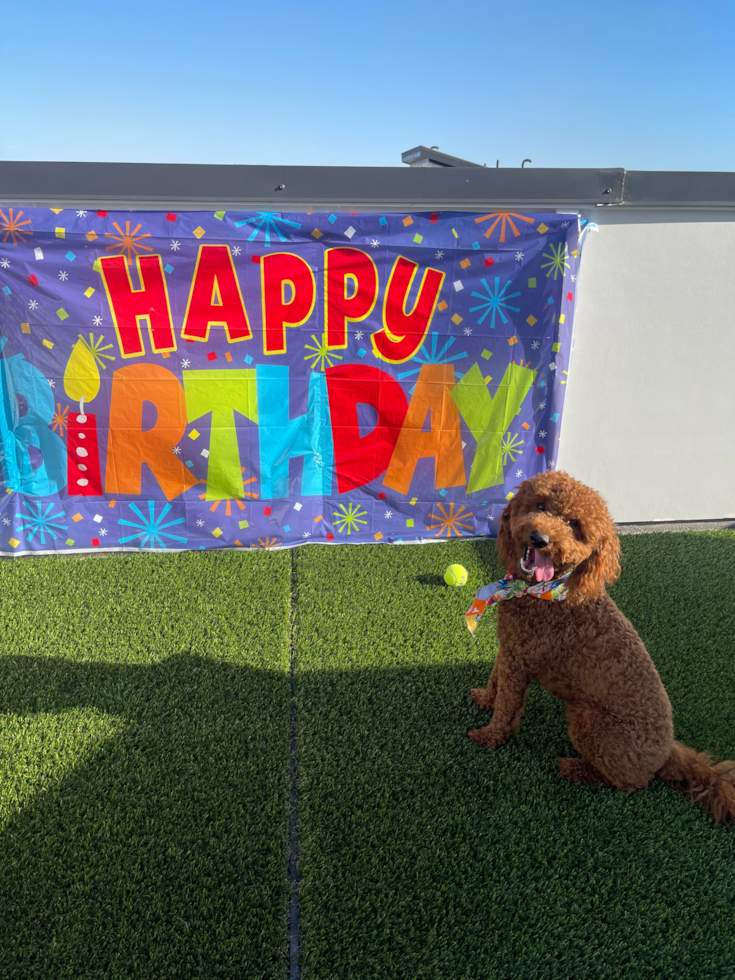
x=573, y=523
x=540, y=507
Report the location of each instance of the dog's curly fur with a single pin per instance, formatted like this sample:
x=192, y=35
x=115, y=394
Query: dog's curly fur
x=587, y=654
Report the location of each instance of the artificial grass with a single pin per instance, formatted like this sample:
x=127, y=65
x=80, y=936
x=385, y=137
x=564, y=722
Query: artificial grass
x=144, y=723
x=424, y=856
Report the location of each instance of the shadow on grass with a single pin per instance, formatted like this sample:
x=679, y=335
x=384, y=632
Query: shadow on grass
x=162, y=853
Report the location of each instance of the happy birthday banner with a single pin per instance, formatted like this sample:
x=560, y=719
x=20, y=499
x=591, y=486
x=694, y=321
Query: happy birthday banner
x=236, y=379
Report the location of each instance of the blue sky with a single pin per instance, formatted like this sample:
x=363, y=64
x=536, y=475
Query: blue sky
x=643, y=85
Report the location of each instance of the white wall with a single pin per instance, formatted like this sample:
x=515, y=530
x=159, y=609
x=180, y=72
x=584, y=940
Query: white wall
x=649, y=418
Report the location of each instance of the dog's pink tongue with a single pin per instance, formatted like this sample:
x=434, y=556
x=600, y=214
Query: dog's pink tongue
x=544, y=567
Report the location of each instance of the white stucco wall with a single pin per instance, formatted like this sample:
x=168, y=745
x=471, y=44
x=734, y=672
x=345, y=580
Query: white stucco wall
x=649, y=418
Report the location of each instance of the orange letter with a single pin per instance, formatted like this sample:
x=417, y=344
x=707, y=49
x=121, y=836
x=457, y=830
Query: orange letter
x=341, y=265
x=277, y=271
x=215, y=299
x=128, y=447
x=444, y=442
x=403, y=333
x=129, y=306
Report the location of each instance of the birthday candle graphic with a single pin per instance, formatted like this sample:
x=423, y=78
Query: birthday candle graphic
x=82, y=383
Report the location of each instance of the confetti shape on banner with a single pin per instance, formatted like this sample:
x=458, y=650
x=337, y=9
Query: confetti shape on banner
x=297, y=505
x=243, y=524
x=211, y=356
x=350, y=232
x=442, y=306
x=465, y=263
x=56, y=210
x=454, y=232
x=13, y=542
x=525, y=425
x=562, y=317
x=540, y=449
x=49, y=344
x=69, y=541
x=96, y=542
x=487, y=380
x=489, y=261
x=198, y=232
x=318, y=518
x=332, y=218
x=555, y=417
x=418, y=238
x=62, y=314
x=90, y=236
x=556, y=348
x=434, y=217
x=228, y=357
x=458, y=285
x=89, y=292
x=456, y=319
x=532, y=283
x=25, y=327
x=531, y=320
x=542, y=229
x=330, y=536
x=97, y=267
x=70, y=256
x=217, y=532
x=509, y=496
x=408, y=220
x=168, y=268
x=204, y=453
x=77, y=517
x=570, y=296
x=170, y=217
x=38, y=252
x=32, y=280
x=378, y=536
x=409, y=522
x=487, y=354
x=98, y=518
x=316, y=233
x=7, y=290
x=61, y=232
x=194, y=434
x=512, y=340
x=267, y=511
x=219, y=215
x=414, y=501
x=255, y=258
x=286, y=528
x=102, y=214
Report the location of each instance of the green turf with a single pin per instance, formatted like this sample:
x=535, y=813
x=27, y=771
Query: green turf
x=144, y=713
x=424, y=856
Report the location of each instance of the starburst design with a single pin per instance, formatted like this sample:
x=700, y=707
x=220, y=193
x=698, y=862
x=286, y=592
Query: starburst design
x=450, y=522
x=519, y=473
x=175, y=246
x=96, y=321
x=565, y=224
x=388, y=514
x=267, y=543
x=236, y=250
x=306, y=534
x=468, y=331
x=96, y=349
x=496, y=301
x=51, y=382
x=42, y=521
x=519, y=256
x=542, y=433
x=268, y=221
x=185, y=363
x=349, y=517
x=32, y=304
x=535, y=345
x=227, y=501
x=176, y=450
x=12, y=226
x=424, y=357
x=103, y=532
x=321, y=353
x=374, y=243
x=5, y=264
x=127, y=242
x=439, y=255
x=542, y=406
x=63, y=276
x=550, y=464
x=6, y=521
x=574, y=278
x=503, y=218
x=81, y=214
x=511, y=447
x=200, y=523
x=152, y=529
x=557, y=261
x=359, y=334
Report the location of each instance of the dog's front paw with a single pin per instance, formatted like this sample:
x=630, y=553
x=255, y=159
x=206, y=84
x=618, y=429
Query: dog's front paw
x=480, y=697
x=486, y=738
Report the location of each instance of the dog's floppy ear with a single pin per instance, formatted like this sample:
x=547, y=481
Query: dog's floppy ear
x=602, y=566
x=504, y=544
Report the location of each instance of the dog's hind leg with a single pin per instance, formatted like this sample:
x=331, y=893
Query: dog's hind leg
x=581, y=771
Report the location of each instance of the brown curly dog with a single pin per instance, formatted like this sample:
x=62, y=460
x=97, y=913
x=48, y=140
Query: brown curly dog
x=586, y=653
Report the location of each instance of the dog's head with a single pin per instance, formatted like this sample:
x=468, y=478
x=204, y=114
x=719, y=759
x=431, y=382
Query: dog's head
x=554, y=525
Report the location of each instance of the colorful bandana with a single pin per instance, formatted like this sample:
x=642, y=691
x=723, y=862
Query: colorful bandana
x=510, y=587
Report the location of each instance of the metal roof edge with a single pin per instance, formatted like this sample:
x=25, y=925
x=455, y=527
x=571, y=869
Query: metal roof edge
x=245, y=187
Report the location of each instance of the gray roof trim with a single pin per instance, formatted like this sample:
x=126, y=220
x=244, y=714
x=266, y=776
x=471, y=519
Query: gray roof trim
x=207, y=186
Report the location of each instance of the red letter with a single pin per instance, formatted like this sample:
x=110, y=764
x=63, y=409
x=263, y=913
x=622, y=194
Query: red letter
x=341, y=265
x=276, y=272
x=359, y=460
x=215, y=299
x=129, y=306
x=403, y=333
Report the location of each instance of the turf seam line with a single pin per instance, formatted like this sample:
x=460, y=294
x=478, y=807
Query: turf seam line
x=293, y=828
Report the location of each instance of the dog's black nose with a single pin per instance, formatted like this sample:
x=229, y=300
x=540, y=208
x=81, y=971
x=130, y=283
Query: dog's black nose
x=539, y=540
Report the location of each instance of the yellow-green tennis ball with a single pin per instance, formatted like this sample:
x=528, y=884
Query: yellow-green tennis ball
x=456, y=575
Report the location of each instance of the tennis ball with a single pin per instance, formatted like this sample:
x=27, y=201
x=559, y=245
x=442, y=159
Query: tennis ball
x=456, y=575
